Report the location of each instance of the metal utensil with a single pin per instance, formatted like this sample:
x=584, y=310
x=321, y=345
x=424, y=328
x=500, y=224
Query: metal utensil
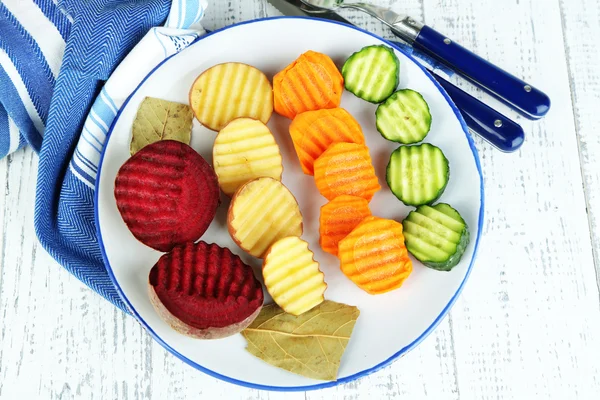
x=521, y=96
x=494, y=127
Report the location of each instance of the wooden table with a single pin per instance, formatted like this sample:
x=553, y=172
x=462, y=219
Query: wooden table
x=527, y=325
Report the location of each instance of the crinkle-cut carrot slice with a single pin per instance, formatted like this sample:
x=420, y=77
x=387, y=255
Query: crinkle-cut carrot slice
x=374, y=255
x=314, y=131
x=338, y=218
x=311, y=82
x=346, y=168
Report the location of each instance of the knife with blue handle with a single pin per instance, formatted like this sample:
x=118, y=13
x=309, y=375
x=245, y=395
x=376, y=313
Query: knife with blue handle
x=481, y=119
x=516, y=93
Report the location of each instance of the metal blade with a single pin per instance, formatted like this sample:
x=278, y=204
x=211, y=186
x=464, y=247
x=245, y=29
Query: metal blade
x=296, y=8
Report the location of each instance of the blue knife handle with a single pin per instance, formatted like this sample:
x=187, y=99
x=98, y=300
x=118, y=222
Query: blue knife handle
x=520, y=95
x=497, y=129
x=481, y=118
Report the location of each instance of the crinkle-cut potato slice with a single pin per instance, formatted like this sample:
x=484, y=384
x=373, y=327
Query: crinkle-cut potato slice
x=243, y=150
x=261, y=212
x=231, y=90
x=292, y=276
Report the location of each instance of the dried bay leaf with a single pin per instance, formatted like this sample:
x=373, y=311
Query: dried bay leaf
x=158, y=119
x=311, y=344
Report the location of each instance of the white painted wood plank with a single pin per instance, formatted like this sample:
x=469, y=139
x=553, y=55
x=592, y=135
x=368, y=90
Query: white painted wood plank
x=522, y=328
x=581, y=25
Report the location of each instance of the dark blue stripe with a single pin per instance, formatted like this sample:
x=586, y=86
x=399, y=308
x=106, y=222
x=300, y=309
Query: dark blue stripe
x=4, y=133
x=81, y=172
x=85, y=161
x=10, y=100
x=58, y=19
x=29, y=61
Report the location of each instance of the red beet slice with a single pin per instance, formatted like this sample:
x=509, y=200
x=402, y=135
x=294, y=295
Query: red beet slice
x=205, y=291
x=167, y=194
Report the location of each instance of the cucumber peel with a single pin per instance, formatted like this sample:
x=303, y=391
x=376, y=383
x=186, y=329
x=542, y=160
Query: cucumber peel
x=436, y=235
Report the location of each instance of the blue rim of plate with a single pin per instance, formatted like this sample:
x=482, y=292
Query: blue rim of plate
x=346, y=379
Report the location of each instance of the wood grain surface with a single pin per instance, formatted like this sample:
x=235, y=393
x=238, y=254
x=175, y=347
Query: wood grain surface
x=527, y=323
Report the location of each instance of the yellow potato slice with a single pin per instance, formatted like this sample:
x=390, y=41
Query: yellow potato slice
x=228, y=91
x=245, y=149
x=261, y=212
x=292, y=276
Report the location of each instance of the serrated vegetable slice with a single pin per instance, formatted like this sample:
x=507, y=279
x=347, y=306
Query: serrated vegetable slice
x=167, y=194
x=311, y=82
x=374, y=255
x=436, y=235
x=313, y=132
x=204, y=291
x=418, y=174
x=372, y=73
x=404, y=117
x=346, y=168
x=231, y=90
x=338, y=218
x=292, y=276
x=243, y=150
x=261, y=212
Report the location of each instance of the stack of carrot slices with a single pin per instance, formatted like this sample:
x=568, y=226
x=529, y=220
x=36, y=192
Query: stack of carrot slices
x=330, y=146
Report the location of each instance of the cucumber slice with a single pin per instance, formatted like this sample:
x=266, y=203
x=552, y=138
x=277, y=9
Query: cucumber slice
x=418, y=174
x=372, y=73
x=436, y=235
x=404, y=117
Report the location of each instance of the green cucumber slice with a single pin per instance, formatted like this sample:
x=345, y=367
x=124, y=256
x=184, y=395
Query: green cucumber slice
x=372, y=73
x=418, y=174
x=404, y=117
x=436, y=235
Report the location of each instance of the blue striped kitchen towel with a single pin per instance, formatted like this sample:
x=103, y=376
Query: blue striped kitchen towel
x=66, y=66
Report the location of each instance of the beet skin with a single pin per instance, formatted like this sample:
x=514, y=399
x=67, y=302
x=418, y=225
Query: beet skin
x=167, y=194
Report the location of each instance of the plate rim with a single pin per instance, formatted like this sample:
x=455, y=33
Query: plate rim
x=403, y=351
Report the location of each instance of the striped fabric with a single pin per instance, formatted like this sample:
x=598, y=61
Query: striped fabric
x=66, y=67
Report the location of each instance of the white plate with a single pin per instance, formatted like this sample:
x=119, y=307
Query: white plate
x=389, y=325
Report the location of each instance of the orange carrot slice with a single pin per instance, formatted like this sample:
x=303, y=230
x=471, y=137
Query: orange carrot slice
x=314, y=131
x=338, y=218
x=311, y=82
x=374, y=255
x=345, y=168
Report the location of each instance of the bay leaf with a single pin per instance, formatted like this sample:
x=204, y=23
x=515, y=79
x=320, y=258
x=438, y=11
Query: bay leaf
x=311, y=344
x=158, y=119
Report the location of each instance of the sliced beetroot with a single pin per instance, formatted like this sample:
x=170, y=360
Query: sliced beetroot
x=205, y=291
x=167, y=194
